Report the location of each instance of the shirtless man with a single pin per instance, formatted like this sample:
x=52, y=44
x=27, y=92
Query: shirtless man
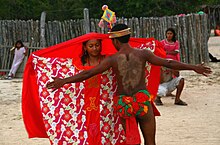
x=133, y=99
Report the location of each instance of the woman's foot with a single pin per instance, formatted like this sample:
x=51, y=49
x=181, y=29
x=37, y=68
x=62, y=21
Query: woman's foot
x=8, y=77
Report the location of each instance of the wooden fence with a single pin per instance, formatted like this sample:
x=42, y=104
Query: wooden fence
x=213, y=15
x=6, y=59
x=192, y=33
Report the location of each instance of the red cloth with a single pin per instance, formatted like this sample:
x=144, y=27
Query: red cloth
x=92, y=89
x=70, y=49
x=132, y=132
x=217, y=32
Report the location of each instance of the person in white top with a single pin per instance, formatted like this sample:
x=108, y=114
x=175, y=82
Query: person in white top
x=20, y=53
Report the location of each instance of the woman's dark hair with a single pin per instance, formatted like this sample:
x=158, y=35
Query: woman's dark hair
x=19, y=41
x=118, y=27
x=174, y=34
x=85, y=54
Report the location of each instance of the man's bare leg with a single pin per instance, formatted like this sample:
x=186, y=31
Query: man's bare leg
x=148, y=127
x=179, y=90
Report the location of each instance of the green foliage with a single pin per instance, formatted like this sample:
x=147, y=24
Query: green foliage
x=73, y=9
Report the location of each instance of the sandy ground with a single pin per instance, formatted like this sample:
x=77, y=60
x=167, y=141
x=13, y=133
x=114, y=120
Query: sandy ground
x=196, y=124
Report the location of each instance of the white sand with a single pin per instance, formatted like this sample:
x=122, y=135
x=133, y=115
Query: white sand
x=195, y=124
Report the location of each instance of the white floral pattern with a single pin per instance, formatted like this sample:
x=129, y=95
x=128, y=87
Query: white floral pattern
x=62, y=110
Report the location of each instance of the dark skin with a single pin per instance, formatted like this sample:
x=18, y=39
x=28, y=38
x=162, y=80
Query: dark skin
x=125, y=63
x=93, y=48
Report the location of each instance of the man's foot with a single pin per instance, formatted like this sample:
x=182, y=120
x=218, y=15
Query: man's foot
x=158, y=102
x=180, y=102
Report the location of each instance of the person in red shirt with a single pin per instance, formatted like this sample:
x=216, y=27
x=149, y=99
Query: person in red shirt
x=171, y=45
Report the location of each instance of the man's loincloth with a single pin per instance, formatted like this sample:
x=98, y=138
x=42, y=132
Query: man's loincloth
x=129, y=107
x=136, y=105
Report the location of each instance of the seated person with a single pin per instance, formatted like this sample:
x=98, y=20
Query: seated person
x=217, y=30
x=169, y=81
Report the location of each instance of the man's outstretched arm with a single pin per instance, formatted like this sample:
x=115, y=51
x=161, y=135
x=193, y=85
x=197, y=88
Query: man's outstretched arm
x=103, y=66
x=200, y=69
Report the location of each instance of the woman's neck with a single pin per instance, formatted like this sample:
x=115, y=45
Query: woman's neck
x=170, y=40
x=94, y=60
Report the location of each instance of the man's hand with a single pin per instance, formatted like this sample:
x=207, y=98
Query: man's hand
x=56, y=84
x=201, y=69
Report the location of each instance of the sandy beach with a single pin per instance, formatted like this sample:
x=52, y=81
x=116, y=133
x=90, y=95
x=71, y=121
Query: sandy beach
x=195, y=124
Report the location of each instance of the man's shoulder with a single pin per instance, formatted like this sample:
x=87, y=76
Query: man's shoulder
x=141, y=50
x=112, y=58
x=141, y=53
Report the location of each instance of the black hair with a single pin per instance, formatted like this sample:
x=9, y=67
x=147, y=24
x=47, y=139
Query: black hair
x=174, y=34
x=85, y=54
x=118, y=27
x=19, y=41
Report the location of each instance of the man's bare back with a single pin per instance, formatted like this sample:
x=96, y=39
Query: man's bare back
x=129, y=67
